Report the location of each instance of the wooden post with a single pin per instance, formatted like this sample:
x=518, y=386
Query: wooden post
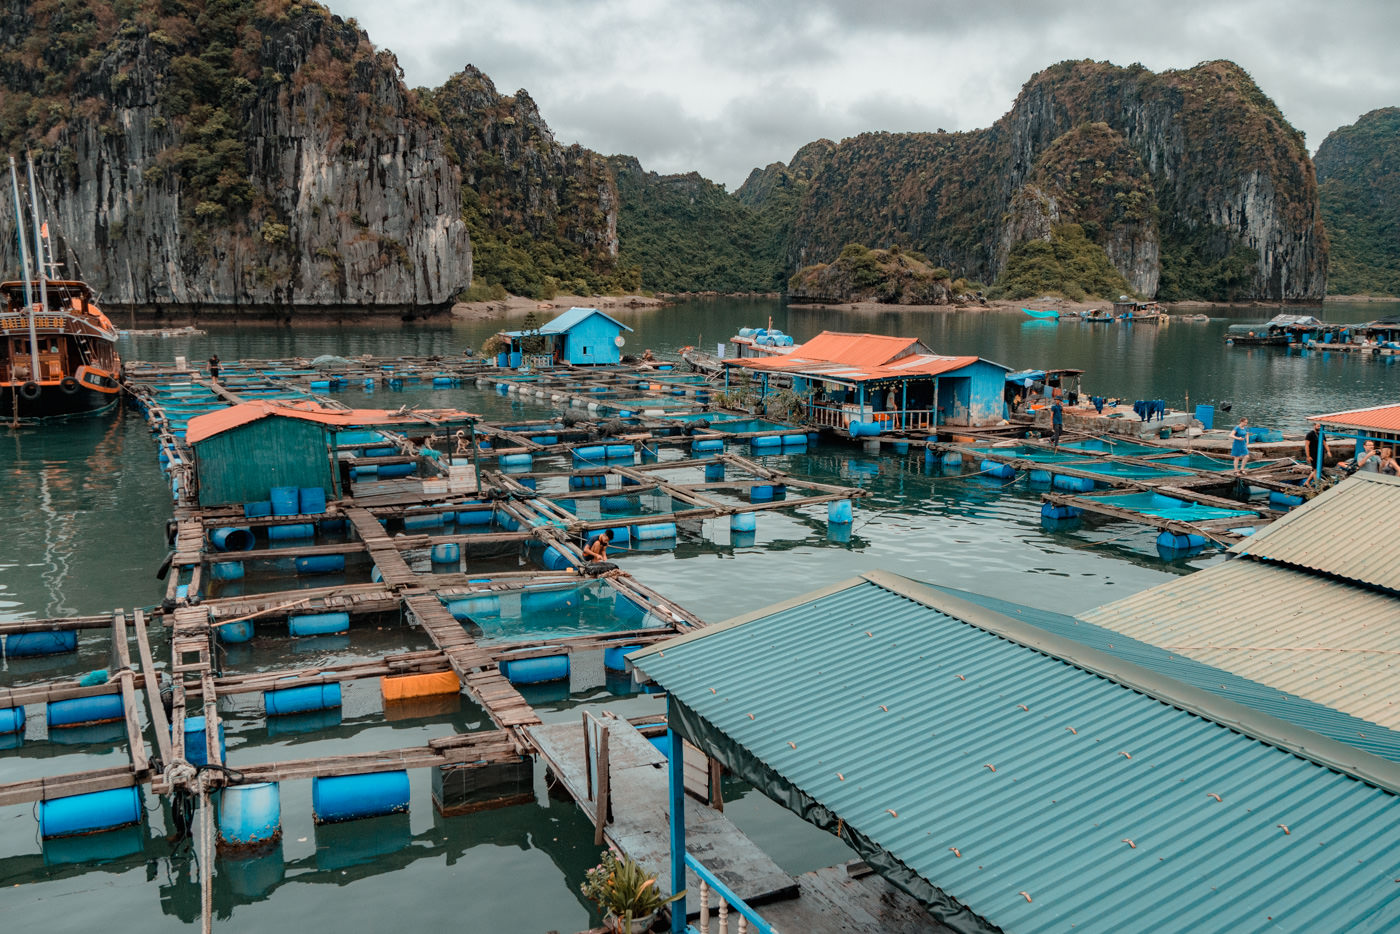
x=603, y=788
x=135, y=743
x=677, y=789
x=152, y=689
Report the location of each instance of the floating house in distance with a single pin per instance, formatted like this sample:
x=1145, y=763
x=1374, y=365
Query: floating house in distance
x=1016, y=780
x=580, y=336
x=865, y=384
x=242, y=452
x=1380, y=423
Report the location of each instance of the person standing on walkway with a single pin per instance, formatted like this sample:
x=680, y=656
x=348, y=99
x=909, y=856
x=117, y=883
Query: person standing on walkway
x=1239, y=444
x=1057, y=422
x=214, y=368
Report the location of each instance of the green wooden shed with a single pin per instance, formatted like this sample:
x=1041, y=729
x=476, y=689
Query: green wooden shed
x=238, y=460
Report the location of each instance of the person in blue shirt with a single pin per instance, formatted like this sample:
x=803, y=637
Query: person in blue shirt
x=1239, y=444
x=1057, y=422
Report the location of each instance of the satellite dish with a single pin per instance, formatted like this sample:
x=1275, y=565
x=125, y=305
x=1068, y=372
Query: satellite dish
x=619, y=340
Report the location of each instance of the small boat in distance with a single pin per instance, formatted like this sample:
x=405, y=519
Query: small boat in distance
x=58, y=351
x=1048, y=313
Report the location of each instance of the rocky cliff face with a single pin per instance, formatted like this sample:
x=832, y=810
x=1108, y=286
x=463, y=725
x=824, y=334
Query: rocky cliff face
x=1358, y=173
x=1233, y=206
x=520, y=180
x=232, y=157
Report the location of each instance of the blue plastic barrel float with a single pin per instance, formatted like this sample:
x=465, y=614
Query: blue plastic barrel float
x=473, y=516
x=11, y=720
x=764, y=442
x=1284, y=500
x=79, y=711
x=743, y=522
x=29, y=644
x=760, y=492
x=554, y=559
x=1040, y=478
x=1072, y=484
x=839, y=512
x=443, y=382
x=654, y=532
x=614, y=658
x=517, y=461
x=257, y=510
x=311, y=500
x=286, y=500
x=1175, y=545
x=592, y=453
x=320, y=564
x=620, y=451
x=291, y=532
x=714, y=473
x=617, y=505
x=901, y=447
x=865, y=429
x=446, y=553
x=620, y=534
x=545, y=439
x=1059, y=513
x=250, y=815
x=318, y=624
x=196, y=745
x=232, y=539
x=951, y=459
x=427, y=520
x=98, y=810
x=301, y=699
x=481, y=606
x=226, y=570
x=707, y=446
x=393, y=471
x=998, y=471
x=349, y=797
x=232, y=633
x=540, y=670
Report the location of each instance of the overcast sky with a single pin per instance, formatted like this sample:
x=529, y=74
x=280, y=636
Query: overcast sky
x=720, y=87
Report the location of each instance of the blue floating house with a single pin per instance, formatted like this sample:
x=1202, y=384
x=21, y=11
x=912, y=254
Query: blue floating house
x=866, y=384
x=578, y=337
x=1015, y=779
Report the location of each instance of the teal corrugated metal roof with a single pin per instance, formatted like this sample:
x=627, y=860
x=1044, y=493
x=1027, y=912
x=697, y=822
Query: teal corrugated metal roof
x=573, y=317
x=1013, y=780
x=1343, y=727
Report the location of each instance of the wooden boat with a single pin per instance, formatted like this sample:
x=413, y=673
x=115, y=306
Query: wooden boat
x=1097, y=316
x=1045, y=314
x=58, y=351
x=1131, y=312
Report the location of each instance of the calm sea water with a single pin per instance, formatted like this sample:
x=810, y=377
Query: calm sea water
x=82, y=531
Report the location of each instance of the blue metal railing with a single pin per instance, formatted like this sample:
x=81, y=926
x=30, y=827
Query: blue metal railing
x=711, y=881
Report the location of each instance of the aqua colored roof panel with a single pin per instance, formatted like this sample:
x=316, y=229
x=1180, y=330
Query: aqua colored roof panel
x=988, y=760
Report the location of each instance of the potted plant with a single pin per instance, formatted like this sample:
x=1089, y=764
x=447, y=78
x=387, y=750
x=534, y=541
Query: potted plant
x=626, y=893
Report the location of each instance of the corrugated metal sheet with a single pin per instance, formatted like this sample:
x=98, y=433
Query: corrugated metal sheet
x=241, y=464
x=1041, y=796
x=1343, y=727
x=855, y=349
x=904, y=368
x=1379, y=418
x=1327, y=641
x=1333, y=533
x=574, y=316
x=206, y=426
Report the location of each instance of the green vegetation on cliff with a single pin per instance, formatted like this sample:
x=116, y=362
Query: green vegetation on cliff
x=1358, y=173
x=687, y=234
x=542, y=215
x=859, y=274
x=1068, y=264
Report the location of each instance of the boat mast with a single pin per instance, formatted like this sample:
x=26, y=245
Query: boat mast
x=39, y=265
x=24, y=273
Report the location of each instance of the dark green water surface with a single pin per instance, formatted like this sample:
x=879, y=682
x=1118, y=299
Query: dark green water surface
x=82, y=531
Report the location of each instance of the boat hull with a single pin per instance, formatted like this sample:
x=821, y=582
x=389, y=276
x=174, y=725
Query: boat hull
x=54, y=402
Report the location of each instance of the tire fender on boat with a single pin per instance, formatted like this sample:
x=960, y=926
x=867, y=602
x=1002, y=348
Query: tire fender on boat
x=69, y=385
x=30, y=390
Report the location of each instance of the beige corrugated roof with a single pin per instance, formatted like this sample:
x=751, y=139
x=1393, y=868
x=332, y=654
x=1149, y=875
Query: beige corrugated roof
x=1348, y=532
x=1334, y=643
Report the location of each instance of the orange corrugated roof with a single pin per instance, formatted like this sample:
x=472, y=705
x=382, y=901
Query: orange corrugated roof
x=854, y=349
x=1377, y=418
x=212, y=423
x=925, y=364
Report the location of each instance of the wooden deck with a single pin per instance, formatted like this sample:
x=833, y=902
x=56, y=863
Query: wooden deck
x=641, y=813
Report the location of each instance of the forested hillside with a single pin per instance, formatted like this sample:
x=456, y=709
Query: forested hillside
x=1358, y=175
